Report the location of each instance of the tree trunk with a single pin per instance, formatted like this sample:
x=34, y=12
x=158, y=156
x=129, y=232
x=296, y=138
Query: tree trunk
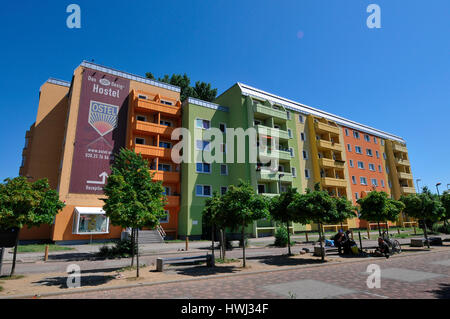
x=322, y=251
x=224, y=246
x=212, y=242
x=133, y=233
x=243, y=244
x=289, y=240
x=13, y=267
x=379, y=229
x=137, y=252
x=425, y=233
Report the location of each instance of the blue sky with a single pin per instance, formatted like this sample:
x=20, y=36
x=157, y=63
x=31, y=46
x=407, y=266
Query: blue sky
x=320, y=53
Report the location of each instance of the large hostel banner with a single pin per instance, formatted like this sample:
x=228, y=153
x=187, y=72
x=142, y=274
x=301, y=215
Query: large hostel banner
x=101, y=130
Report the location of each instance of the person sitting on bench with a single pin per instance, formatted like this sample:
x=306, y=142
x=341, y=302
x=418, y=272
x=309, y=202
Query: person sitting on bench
x=339, y=240
x=383, y=248
x=348, y=243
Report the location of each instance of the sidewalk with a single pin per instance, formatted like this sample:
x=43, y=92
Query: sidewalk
x=88, y=252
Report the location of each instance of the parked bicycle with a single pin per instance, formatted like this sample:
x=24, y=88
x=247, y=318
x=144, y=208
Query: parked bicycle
x=393, y=244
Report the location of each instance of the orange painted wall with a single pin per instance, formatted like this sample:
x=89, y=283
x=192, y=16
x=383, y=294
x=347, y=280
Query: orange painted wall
x=366, y=159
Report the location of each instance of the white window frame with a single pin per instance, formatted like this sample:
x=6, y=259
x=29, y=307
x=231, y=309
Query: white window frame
x=372, y=167
x=202, y=128
x=87, y=211
x=368, y=150
x=351, y=163
x=363, y=180
x=203, y=147
x=358, y=148
x=302, y=136
x=354, y=180
x=372, y=180
x=203, y=190
x=293, y=172
x=305, y=154
x=300, y=118
x=203, y=168
x=361, y=165
x=349, y=147
x=167, y=219
x=290, y=133
x=307, y=174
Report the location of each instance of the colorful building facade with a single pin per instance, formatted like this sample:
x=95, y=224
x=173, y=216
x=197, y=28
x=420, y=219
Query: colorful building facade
x=272, y=142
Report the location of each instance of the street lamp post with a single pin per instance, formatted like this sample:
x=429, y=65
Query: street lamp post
x=437, y=189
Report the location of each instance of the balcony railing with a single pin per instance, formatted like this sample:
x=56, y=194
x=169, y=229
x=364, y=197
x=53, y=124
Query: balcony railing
x=407, y=190
x=328, y=162
x=154, y=151
x=275, y=154
x=400, y=148
x=401, y=161
x=268, y=111
x=405, y=175
x=166, y=177
x=326, y=128
x=329, y=145
x=149, y=105
x=334, y=182
x=153, y=128
x=270, y=176
x=173, y=201
x=274, y=132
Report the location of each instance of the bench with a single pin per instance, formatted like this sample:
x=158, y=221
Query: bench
x=160, y=262
x=420, y=242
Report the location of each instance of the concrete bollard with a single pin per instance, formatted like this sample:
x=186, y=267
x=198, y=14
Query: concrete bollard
x=307, y=240
x=187, y=243
x=46, y=253
x=159, y=264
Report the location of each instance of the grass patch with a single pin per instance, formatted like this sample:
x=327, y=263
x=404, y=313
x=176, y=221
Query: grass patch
x=1, y=288
x=131, y=268
x=226, y=260
x=12, y=278
x=40, y=248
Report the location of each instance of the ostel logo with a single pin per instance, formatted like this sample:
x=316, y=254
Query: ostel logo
x=103, y=117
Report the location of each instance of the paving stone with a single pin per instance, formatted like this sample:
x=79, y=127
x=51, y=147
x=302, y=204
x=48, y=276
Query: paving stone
x=407, y=275
x=442, y=262
x=308, y=289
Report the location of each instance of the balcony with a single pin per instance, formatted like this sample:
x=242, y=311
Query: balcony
x=152, y=128
x=154, y=151
x=326, y=128
x=329, y=145
x=153, y=106
x=274, y=132
x=269, y=112
x=269, y=194
x=327, y=162
x=407, y=190
x=405, y=175
x=269, y=176
x=173, y=201
x=333, y=182
x=275, y=154
x=166, y=177
x=401, y=161
x=399, y=148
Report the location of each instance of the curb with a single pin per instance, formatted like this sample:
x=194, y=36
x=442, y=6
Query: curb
x=144, y=284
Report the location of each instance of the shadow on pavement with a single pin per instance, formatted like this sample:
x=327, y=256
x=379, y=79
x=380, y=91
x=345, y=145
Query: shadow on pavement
x=284, y=260
x=61, y=282
x=203, y=270
x=443, y=292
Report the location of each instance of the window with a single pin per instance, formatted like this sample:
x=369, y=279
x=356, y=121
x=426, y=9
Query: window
x=382, y=141
x=384, y=155
x=360, y=165
x=202, y=145
x=164, y=167
x=372, y=167
x=367, y=137
x=356, y=196
x=379, y=169
x=223, y=169
x=351, y=163
x=222, y=127
x=139, y=140
x=305, y=154
x=165, y=219
x=382, y=182
x=165, y=144
x=261, y=188
x=375, y=140
x=288, y=115
x=346, y=132
x=203, y=168
x=202, y=124
x=203, y=190
x=355, y=134
x=363, y=180
x=141, y=118
x=166, y=190
x=377, y=154
x=257, y=122
x=90, y=220
x=165, y=123
x=294, y=172
x=302, y=136
x=387, y=169
x=300, y=118
x=289, y=133
x=349, y=147
x=390, y=184
x=223, y=190
x=358, y=149
x=144, y=97
x=353, y=179
x=307, y=173
x=369, y=152
x=291, y=151
x=166, y=102
x=374, y=182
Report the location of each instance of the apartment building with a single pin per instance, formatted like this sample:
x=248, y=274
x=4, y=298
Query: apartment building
x=81, y=124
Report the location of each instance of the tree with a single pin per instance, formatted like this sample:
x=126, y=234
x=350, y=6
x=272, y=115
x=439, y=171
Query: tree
x=27, y=203
x=445, y=200
x=280, y=211
x=201, y=90
x=242, y=205
x=316, y=206
x=344, y=209
x=378, y=207
x=213, y=216
x=133, y=199
x=425, y=207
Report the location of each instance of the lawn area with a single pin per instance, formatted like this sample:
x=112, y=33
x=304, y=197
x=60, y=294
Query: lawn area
x=40, y=248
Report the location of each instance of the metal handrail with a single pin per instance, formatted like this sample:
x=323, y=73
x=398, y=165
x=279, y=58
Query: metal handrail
x=161, y=231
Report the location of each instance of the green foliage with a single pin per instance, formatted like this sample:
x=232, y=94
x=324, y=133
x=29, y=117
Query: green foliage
x=36, y=248
x=201, y=90
x=279, y=207
x=441, y=228
x=423, y=206
x=445, y=200
x=344, y=209
x=133, y=199
x=378, y=207
x=27, y=203
x=281, y=237
x=122, y=249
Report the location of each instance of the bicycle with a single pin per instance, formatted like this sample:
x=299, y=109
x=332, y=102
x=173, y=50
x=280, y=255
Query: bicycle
x=393, y=244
